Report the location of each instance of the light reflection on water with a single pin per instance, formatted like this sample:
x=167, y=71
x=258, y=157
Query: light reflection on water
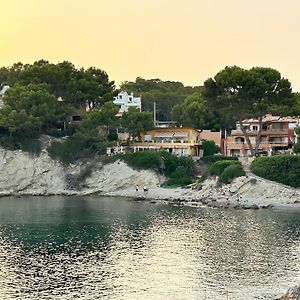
x=109, y=248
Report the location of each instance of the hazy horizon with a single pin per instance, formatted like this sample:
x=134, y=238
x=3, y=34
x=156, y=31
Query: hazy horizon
x=172, y=40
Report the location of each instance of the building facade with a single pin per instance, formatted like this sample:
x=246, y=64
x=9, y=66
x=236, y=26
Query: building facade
x=179, y=141
x=124, y=101
x=277, y=136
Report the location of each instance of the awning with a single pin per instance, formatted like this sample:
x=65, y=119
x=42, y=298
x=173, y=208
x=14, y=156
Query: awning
x=171, y=134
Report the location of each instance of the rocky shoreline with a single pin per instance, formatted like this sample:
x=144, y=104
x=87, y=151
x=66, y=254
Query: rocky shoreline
x=22, y=174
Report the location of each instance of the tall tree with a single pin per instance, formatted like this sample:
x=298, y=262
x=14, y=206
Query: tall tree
x=106, y=116
x=76, y=86
x=166, y=94
x=29, y=108
x=135, y=122
x=194, y=112
x=245, y=93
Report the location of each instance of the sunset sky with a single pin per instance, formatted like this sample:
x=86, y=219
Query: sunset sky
x=181, y=40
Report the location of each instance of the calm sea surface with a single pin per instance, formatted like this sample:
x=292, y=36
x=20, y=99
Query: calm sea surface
x=111, y=248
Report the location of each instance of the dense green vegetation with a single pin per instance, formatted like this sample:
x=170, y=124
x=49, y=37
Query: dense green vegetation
x=209, y=148
x=179, y=170
x=225, y=169
x=31, y=108
x=77, y=147
x=166, y=94
x=43, y=95
x=135, y=122
x=231, y=172
x=31, y=105
x=281, y=168
x=195, y=112
x=242, y=93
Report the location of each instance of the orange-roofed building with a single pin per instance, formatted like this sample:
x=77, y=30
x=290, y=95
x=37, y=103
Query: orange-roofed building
x=277, y=136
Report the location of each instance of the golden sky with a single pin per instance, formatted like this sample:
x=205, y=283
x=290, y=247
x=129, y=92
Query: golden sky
x=182, y=40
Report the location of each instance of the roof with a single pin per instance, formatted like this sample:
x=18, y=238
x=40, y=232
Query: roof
x=270, y=118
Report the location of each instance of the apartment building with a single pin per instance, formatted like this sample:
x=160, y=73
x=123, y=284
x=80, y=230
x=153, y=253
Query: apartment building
x=277, y=136
x=180, y=141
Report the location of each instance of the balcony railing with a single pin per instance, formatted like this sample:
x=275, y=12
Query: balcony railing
x=170, y=142
x=263, y=144
x=263, y=132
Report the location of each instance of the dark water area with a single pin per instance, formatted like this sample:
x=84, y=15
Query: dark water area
x=112, y=248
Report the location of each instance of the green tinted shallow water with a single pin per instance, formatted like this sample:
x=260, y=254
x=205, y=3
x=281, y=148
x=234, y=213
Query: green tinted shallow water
x=110, y=248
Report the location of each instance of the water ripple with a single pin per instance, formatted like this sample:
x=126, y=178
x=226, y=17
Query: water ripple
x=105, y=248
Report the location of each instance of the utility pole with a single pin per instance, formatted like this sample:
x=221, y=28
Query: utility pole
x=154, y=113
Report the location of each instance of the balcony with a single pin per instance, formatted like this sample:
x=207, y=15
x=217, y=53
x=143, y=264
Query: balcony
x=168, y=144
x=272, y=132
x=262, y=145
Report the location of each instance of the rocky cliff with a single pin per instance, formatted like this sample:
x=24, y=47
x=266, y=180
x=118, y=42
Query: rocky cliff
x=22, y=174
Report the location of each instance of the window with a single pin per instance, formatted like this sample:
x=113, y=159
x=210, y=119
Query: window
x=130, y=99
x=255, y=128
x=120, y=96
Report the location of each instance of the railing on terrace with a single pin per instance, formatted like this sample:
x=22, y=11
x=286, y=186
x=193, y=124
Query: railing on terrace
x=231, y=145
x=263, y=132
x=170, y=142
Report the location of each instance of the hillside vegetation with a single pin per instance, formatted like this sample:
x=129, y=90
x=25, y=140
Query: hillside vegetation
x=179, y=170
x=281, y=168
x=226, y=168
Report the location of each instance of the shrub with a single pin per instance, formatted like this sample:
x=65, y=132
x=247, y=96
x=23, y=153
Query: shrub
x=143, y=160
x=180, y=170
x=29, y=145
x=209, y=148
x=178, y=178
x=112, y=136
x=218, y=167
x=281, y=168
x=231, y=172
x=61, y=133
x=75, y=147
x=227, y=170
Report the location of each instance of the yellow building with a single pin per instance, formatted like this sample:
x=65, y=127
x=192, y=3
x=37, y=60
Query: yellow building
x=180, y=141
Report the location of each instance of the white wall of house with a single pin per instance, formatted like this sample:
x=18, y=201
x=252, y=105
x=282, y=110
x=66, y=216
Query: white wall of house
x=2, y=92
x=125, y=100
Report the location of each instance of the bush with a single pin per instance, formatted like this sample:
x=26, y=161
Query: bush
x=178, y=178
x=61, y=133
x=281, y=168
x=112, y=136
x=75, y=147
x=218, y=167
x=180, y=170
x=231, y=172
x=209, y=148
x=29, y=145
x=227, y=170
x=214, y=158
x=143, y=160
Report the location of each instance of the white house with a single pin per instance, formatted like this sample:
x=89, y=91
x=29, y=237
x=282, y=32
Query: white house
x=2, y=92
x=124, y=101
